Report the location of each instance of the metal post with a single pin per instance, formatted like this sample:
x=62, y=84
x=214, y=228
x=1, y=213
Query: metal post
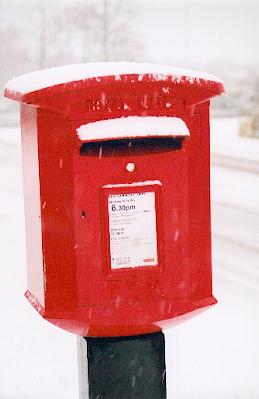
x=123, y=368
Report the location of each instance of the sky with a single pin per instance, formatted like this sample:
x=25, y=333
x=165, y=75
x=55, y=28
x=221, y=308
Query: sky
x=180, y=32
x=198, y=31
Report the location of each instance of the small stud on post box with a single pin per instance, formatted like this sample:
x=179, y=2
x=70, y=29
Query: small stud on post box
x=130, y=167
x=114, y=249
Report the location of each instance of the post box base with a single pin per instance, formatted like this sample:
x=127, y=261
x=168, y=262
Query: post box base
x=92, y=321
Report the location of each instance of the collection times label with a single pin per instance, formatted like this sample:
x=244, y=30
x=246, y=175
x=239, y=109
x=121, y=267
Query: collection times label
x=132, y=227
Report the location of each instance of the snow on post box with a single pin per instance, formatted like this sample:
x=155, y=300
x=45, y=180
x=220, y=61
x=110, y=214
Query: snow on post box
x=117, y=195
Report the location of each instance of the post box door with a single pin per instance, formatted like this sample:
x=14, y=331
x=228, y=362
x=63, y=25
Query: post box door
x=157, y=189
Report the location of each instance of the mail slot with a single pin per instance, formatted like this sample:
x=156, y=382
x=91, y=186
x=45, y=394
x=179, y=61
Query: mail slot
x=117, y=195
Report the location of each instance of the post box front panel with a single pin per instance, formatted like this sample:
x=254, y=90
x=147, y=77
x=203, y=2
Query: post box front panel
x=103, y=173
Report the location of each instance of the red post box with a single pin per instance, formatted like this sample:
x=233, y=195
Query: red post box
x=117, y=195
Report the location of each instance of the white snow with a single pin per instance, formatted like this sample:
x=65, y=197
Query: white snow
x=133, y=127
x=70, y=73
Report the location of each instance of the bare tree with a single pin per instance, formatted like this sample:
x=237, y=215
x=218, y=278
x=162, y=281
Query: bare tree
x=93, y=31
x=115, y=24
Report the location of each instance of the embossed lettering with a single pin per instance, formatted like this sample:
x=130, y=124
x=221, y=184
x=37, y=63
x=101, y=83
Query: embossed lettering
x=144, y=102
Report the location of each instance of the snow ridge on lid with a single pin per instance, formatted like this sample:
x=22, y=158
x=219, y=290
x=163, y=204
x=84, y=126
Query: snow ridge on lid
x=135, y=184
x=133, y=127
x=70, y=73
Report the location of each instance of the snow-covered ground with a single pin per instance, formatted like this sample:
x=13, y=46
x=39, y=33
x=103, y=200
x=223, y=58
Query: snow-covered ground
x=215, y=355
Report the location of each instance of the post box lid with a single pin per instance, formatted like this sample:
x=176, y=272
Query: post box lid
x=31, y=87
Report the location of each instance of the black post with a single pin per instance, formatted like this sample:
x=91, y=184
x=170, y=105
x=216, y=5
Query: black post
x=127, y=367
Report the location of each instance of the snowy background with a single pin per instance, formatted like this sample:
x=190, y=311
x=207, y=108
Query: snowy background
x=215, y=355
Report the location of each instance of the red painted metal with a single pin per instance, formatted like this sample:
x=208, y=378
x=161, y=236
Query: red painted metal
x=78, y=290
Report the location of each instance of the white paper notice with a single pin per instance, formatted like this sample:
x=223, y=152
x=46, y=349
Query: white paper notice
x=132, y=227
